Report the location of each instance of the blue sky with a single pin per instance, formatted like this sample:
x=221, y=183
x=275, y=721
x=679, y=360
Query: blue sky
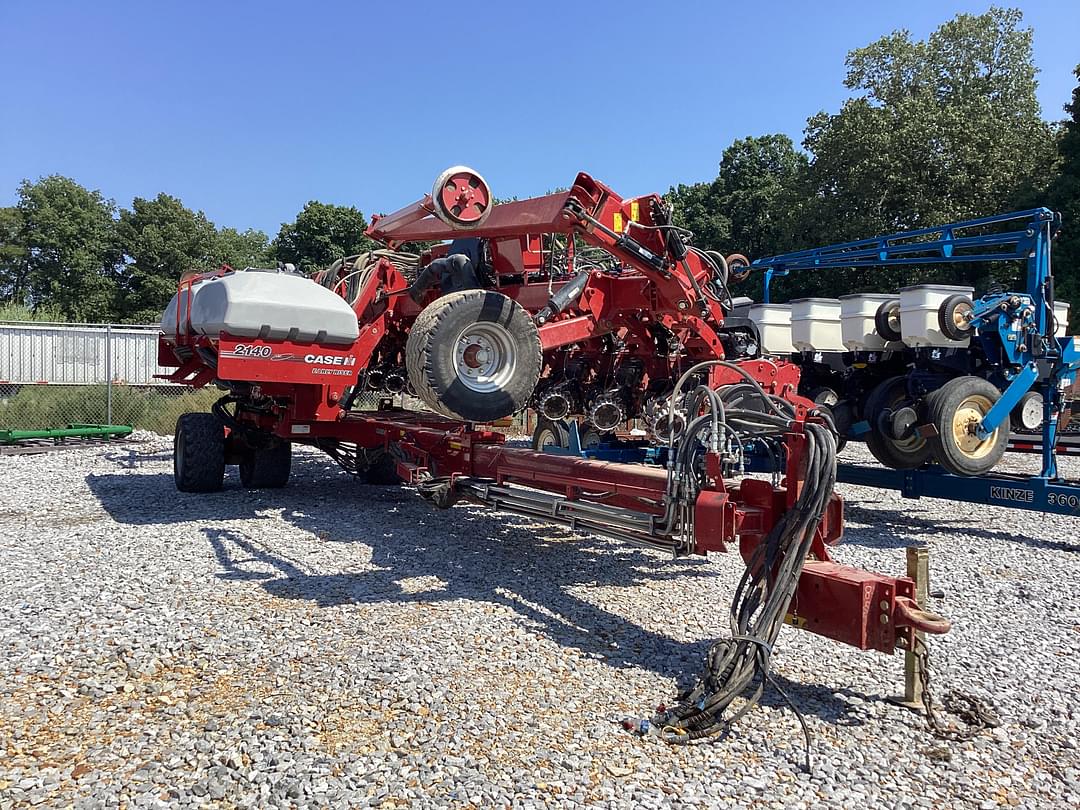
x=246, y=110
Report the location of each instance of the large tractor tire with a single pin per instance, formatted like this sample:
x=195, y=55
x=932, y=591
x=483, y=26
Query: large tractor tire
x=955, y=410
x=885, y=407
x=199, y=453
x=474, y=355
x=267, y=467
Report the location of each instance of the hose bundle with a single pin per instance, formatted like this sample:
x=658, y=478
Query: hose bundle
x=738, y=666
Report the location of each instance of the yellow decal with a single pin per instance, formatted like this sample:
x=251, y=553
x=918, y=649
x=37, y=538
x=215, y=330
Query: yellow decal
x=635, y=211
x=618, y=223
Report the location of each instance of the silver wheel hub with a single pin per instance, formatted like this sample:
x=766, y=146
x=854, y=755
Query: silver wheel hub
x=484, y=358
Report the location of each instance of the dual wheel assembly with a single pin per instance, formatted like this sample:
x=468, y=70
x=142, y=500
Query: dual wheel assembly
x=201, y=450
x=944, y=426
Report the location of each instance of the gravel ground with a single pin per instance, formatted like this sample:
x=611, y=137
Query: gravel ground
x=333, y=644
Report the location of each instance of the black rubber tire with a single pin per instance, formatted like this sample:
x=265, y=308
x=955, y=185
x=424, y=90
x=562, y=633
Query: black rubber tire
x=267, y=467
x=883, y=320
x=588, y=435
x=550, y=432
x=900, y=455
x=199, y=453
x=382, y=472
x=948, y=313
x=430, y=355
x=1016, y=418
x=942, y=407
x=823, y=395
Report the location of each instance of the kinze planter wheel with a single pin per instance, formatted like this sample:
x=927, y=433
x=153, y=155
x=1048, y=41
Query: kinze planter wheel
x=887, y=320
x=954, y=317
x=266, y=467
x=955, y=410
x=1027, y=416
x=892, y=438
x=199, y=453
x=474, y=355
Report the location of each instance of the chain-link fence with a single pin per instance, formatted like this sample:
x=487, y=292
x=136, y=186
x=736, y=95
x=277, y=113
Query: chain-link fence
x=55, y=374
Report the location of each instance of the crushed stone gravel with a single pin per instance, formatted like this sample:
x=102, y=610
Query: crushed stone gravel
x=332, y=644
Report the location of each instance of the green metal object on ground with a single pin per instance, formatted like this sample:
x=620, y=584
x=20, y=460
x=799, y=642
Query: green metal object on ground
x=73, y=431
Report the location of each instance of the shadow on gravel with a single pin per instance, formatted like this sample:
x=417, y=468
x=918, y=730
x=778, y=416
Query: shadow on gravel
x=540, y=571
x=888, y=528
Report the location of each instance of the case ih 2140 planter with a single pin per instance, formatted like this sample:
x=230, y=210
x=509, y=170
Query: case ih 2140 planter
x=575, y=302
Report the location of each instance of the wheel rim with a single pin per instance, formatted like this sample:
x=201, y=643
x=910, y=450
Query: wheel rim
x=892, y=318
x=1031, y=412
x=484, y=358
x=961, y=316
x=966, y=418
x=546, y=438
x=910, y=445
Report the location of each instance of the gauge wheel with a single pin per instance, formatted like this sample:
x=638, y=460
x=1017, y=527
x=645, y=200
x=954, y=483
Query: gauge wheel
x=1027, y=416
x=550, y=433
x=955, y=410
x=886, y=407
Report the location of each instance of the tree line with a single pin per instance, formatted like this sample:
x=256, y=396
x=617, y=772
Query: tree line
x=935, y=131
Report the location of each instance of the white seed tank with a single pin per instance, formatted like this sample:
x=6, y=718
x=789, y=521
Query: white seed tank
x=774, y=325
x=264, y=304
x=1061, y=316
x=857, y=322
x=815, y=325
x=919, y=307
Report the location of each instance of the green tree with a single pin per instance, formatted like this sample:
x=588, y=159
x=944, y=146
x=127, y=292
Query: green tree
x=943, y=129
x=161, y=239
x=14, y=268
x=250, y=248
x=1065, y=197
x=68, y=236
x=698, y=207
x=320, y=234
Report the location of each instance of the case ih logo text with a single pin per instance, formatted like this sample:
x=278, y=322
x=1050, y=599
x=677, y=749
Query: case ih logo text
x=330, y=359
x=1012, y=494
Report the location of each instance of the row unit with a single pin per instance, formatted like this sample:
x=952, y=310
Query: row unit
x=851, y=322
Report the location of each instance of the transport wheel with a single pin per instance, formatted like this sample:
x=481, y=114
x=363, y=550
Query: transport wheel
x=199, y=453
x=890, y=413
x=474, y=355
x=550, y=433
x=954, y=317
x=266, y=467
x=1027, y=416
x=887, y=320
x=955, y=410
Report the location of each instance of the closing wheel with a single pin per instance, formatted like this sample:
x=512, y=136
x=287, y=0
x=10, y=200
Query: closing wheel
x=267, y=467
x=955, y=410
x=954, y=317
x=199, y=453
x=461, y=197
x=550, y=433
x=887, y=320
x=1027, y=416
x=474, y=355
x=893, y=439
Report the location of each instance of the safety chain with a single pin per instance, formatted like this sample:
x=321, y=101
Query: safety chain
x=976, y=714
